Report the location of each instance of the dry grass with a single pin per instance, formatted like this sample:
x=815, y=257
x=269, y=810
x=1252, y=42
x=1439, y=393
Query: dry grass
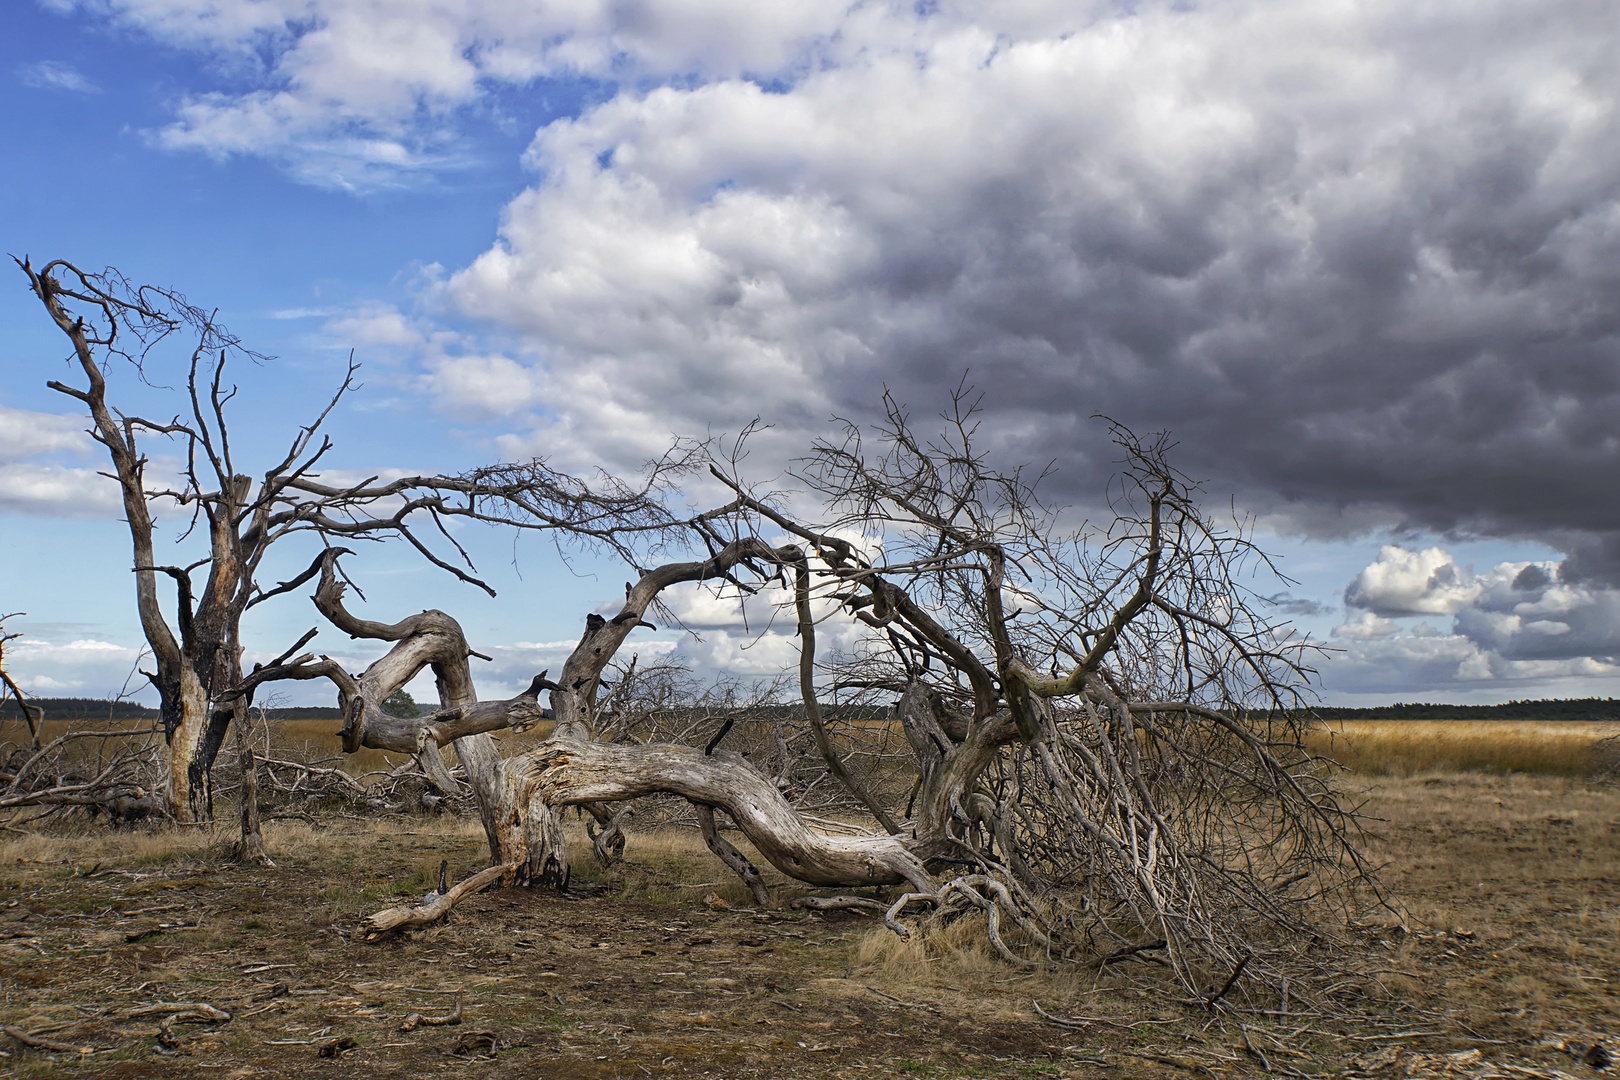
x=1507, y=934
x=1507, y=886
x=1366, y=747
x=1415, y=747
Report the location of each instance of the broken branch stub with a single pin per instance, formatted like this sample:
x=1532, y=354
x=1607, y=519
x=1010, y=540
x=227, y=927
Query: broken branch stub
x=417, y=917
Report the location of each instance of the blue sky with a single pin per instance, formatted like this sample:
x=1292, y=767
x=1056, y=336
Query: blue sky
x=1360, y=259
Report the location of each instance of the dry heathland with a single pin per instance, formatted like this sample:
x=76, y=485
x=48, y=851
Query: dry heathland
x=147, y=954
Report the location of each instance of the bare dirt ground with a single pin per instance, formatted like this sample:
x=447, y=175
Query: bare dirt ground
x=1507, y=965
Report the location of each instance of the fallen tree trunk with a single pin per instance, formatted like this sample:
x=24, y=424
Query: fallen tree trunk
x=569, y=772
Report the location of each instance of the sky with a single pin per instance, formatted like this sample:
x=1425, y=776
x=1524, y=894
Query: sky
x=1361, y=259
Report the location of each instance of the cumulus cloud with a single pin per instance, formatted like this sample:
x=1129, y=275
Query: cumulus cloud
x=49, y=488
x=1360, y=258
x=1363, y=272
x=513, y=666
x=1525, y=612
x=359, y=95
x=1405, y=582
x=1517, y=623
x=24, y=433
x=460, y=378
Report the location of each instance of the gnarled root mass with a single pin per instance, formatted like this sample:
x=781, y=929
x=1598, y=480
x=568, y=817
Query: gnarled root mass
x=1106, y=738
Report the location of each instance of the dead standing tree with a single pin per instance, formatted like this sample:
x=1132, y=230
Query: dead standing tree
x=197, y=655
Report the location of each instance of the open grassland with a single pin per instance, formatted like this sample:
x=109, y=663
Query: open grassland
x=1367, y=747
x=1415, y=747
x=1501, y=944
x=1507, y=890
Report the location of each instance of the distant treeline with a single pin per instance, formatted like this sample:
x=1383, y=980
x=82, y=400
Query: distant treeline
x=1548, y=709
x=1543, y=709
x=73, y=708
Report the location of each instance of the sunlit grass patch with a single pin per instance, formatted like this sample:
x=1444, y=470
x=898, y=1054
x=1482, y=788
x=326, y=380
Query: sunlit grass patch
x=1415, y=747
x=143, y=847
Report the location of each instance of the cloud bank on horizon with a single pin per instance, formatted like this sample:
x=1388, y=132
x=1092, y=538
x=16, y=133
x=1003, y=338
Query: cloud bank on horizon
x=1363, y=259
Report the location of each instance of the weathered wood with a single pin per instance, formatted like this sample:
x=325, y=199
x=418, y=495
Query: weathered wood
x=567, y=772
x=838, y=903
x=251, y=846
x=41, y=1042
x=411, y=1022
x=201, y=1009
x=409, y=917
x=812, y=706
x=197, y=661
x=734, y=859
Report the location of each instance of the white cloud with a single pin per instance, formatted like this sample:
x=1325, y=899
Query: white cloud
x=698, y=608
x=359, y=94
x=1359, y=257
x=1528, y=614
x=55, y=75
x=1403, y=582
x=46, y=488
x=1383, y=233
x=459, y=379
x=1441, y=663
x=25, y=434
x=1367, y=627
x=86, y=667
x=1517, y=625
x=481, y=385
x=1185, y=210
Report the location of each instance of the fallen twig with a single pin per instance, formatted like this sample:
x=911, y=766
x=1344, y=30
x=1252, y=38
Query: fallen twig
x=1132, y=952
x=40, y=1042
x=1214, y=999
x=184, y=1009
x=902, y=1001
x=411, y=1021
x=1077, y=1022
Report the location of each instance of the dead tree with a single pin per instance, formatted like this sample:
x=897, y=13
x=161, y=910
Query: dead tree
x=31, y=713
x=197, y=651
x=1106, y=726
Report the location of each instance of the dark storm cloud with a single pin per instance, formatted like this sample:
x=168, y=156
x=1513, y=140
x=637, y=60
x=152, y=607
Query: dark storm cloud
x=1366, y=266
x=1363, y=259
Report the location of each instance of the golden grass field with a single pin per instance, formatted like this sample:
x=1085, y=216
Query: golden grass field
x=1415, y=747
x=1365, y=747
